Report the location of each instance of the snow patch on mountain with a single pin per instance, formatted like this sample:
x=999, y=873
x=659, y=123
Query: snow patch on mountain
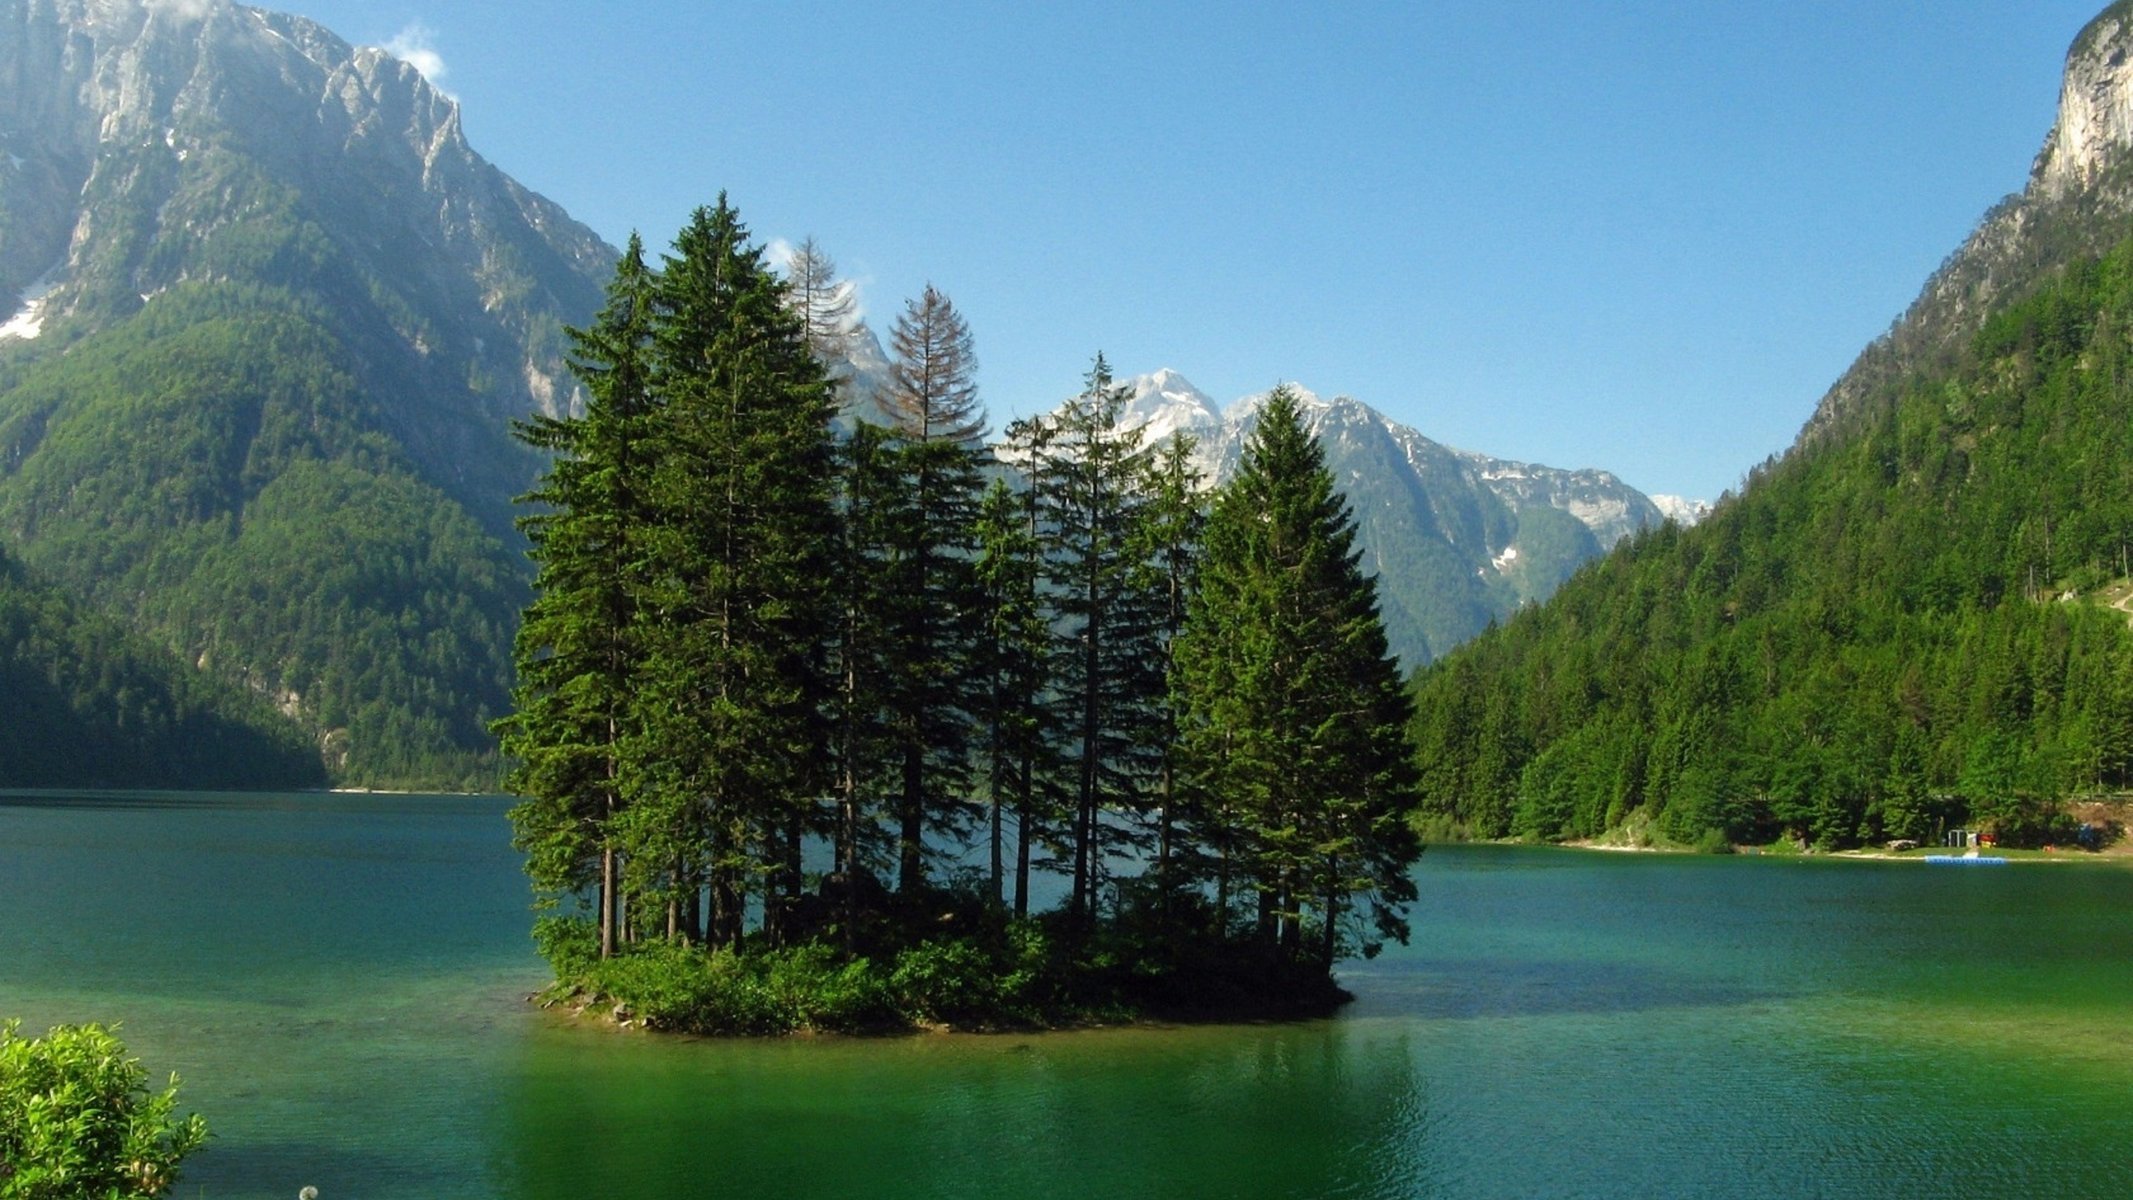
x=28, y=318
x=1456, y=539
x=1681, y=510
x=1166, y=403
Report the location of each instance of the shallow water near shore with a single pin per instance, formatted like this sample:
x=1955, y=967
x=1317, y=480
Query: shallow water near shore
x=341, y=981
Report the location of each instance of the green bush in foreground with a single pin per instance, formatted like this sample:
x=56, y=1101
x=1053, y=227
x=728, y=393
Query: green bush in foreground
x=77, y=1119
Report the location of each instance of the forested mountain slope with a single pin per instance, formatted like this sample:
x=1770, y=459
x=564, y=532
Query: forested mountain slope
x=90, y=704
x=1900, y=623
x=255, y=401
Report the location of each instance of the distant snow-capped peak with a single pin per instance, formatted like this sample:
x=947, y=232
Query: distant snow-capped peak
x=1680, y=510
x=1165, y=402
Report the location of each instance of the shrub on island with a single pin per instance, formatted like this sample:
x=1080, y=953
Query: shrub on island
x=963, y=967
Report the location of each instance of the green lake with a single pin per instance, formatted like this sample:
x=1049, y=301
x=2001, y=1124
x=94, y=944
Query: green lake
x=341, y=982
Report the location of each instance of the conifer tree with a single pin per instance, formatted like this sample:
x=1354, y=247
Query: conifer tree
x=871, y=504
x=827, y=310
x=1011, y=657
x=1168, y=537
x=579, y=658
x=1107, y=670
x=1292, y=709
x=938, y=426
x=731, y=749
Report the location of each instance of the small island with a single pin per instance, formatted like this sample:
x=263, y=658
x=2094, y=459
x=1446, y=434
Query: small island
x=807, y=715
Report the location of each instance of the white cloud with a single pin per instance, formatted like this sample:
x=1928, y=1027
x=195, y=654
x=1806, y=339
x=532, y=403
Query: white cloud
x=413, y=46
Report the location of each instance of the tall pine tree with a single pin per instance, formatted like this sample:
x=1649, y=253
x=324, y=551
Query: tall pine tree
x=728, y=760
x=938, y=426
x=1107, y=667
x=1293, y=715
x=578, y=655
x=1170, y=530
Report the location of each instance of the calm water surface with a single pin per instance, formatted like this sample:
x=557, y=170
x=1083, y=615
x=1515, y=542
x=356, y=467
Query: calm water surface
x=340, y=980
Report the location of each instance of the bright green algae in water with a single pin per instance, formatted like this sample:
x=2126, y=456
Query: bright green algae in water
x=341, y=982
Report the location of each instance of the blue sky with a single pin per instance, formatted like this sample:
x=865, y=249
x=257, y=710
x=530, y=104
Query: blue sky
x=1638, y=236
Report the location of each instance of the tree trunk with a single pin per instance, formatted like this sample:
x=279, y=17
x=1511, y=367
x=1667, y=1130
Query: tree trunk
x=607, y=901
x=1222, y=889
x=1164, y=883
x=1331, y=934
x=999, y=817
x=793, y=878
x=911, y=865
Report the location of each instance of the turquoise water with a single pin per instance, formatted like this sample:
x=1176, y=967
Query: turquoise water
x=341, y=982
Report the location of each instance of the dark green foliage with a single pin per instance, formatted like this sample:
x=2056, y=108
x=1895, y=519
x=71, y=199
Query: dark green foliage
x=1887, y=632
x=725, y=758
x=673, y=719
x=1292, y=715
x=78, y=1119
x=926, y=589
x=1107, y=660
x=746, y=640
x=871, y=504
x=90, y=704
x=212, y=471
x=1022, y=724
x=1012, y=973
x=578, y=646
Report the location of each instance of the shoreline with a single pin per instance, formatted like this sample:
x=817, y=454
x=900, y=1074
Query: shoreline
x=2119, y=855
x=573, y=1007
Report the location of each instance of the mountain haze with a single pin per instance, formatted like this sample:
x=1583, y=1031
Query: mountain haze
x=276, y=318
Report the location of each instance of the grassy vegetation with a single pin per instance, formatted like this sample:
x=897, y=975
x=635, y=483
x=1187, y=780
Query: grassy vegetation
x=951, y=963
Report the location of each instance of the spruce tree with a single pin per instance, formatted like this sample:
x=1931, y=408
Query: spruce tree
x=578, y=656
x=1028, y=700
x=1168, y=546
x=938, y=426
x=871, y=504
x=730, y=753
x=1107, y=669
x=1011, y=657
x=1293, y=715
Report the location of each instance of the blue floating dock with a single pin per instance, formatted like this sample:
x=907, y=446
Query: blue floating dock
x=1966, y=860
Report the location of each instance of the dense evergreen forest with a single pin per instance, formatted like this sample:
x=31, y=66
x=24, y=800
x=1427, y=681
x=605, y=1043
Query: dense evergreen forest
x=810, y=723
x=89, y=704
x=214, y=470
x=1886, y=633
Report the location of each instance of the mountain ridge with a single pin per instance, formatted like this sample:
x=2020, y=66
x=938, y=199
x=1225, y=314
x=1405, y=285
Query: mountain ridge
x=288, y=315
x=1900, y=625
x=1458, y=539
x=2079, y=182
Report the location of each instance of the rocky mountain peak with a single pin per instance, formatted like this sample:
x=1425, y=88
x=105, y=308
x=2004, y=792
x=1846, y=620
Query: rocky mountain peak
x=145, y=144
x=1165, y=402
x=2078, y=194
x=2095, y=107
x=1456, y=539
x=248, y=264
